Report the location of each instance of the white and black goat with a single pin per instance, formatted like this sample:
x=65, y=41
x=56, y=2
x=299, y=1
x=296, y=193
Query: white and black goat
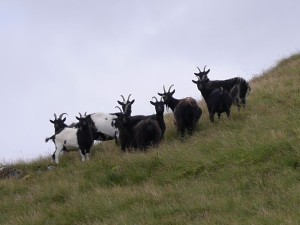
x=69, y=139
x=186, y=111
x=243, y=89
x=101, y=124
x=218, y=100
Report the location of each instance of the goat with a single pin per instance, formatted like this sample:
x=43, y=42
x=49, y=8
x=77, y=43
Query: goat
x=74, y=138
x=243, y=89
x=146, y=133
x=102, y=126
x=138, y=131
x=126, y=105
x=159, y=116
x=186, y=111
x=124, y=125
x=59, y=124
x=218, y=100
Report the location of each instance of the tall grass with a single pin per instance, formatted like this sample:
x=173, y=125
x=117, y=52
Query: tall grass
x=242, y=170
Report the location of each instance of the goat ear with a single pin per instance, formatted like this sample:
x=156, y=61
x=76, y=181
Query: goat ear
x=51, y=121
x=160, y=94
x=132, y=101
x=64, y=119
x=195, y=82
x=152, y=103
x=172, y=93
x=77, y=118
x=121, y=103
x=207, y=72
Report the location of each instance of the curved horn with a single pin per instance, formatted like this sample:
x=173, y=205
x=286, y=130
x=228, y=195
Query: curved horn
x=80, y=115
x=155, y=98
x=170, y=87
x=199, y=69
x=61, y=115
x=55, y=117
x=123, y=98
x=204, y=68
x=119, y=109
x=164, y=89
x=128, y=97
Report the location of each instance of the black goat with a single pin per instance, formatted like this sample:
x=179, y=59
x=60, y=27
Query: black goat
x=146, y=133
x=125, y=126
x=128, y=122
x=243, y=88
x=159, y=109
x=126, y=105
x=218, y=100
x=140, y=131
x=186, y=111
x=59, y=123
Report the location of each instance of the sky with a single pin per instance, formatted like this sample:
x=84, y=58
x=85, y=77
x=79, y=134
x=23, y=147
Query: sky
x=80, y=56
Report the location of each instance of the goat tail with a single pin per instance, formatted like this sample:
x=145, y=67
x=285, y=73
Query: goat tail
x=245, y=89
x=248, y=88
x=49, y=138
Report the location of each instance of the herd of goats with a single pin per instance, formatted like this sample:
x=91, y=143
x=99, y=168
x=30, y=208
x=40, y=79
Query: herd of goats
x=141, y=131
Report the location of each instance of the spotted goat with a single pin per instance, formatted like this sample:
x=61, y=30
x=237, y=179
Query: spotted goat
x=71, y=138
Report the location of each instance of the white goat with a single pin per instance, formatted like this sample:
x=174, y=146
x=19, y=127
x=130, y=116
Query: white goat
x=70, y=139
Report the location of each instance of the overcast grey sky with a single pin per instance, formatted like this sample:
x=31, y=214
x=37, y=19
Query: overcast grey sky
x=80, y=56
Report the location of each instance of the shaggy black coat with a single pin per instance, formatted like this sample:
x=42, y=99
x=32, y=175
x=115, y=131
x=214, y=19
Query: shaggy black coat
x=228, y=85
x=218, y=100
x=186, y=111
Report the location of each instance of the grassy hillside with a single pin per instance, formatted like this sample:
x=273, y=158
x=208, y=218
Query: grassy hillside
x=242, y=170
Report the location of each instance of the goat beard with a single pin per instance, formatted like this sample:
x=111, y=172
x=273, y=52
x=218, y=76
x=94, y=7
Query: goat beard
x=167, y=108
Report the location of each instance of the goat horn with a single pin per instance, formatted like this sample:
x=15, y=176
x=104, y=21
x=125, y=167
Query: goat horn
x=80, y=115
x=128, y=97
x=55, y=117
x=61, y=115
x=164, y=89
x=204, y=68
x=119, y=109
x=123, y=98
x=155, y=98
x=199, y=69
x=170, y=87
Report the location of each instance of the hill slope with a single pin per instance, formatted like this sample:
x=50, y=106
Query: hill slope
x=242, y=170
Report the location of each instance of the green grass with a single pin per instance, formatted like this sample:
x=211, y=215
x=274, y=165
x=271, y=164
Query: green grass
x=242, y=170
